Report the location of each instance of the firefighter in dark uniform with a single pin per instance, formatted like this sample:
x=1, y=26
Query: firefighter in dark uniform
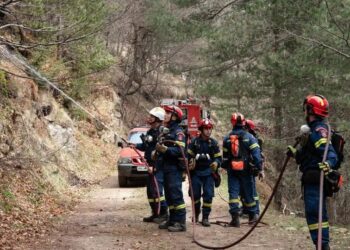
x=173, y=164
x=250, y=127
x=309, y=157
x=149, y=141
x=204, y=161
x=239, y=147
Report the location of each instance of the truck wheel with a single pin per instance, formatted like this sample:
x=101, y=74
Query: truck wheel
x=123, y=181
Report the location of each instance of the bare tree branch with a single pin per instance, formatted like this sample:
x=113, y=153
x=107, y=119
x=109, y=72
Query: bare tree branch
x=217, y=12
x=320, y=43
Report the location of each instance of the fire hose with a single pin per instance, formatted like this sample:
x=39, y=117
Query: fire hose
x=320, y=206
x=257, y=221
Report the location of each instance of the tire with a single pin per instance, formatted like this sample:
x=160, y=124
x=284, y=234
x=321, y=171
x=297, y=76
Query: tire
x=123, y=181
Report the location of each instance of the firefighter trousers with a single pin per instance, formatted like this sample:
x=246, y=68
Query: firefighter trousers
x=311, y=200
x=205, y=184
x=174, y=195
x=152, y=195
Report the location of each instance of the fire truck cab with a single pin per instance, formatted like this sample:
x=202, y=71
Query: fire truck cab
x=193, y=113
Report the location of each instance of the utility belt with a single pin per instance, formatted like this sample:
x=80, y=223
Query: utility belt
x=332, y=182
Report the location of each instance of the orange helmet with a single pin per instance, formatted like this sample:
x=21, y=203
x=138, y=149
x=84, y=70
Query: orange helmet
x=250, y=124
x=237, y=119
x=174, y=110
x=205, y=123
x=316, y=105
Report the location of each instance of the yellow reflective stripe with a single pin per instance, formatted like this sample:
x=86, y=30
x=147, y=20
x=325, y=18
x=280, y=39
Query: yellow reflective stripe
x=256, y=198
x=315, y=226
x=206, y=204
x=182, y=206
x=234, y=201
x=246, y=140
x=320, y=142
x=180, y=143
x=252, y=204
x=197, y=201
x=162, y=198
x=224, y=149
x=255, y=145
x=217, y=155
x=190, y=152
x=171, y=207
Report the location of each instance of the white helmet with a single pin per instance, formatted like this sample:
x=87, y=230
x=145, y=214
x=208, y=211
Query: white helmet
x=158, y=112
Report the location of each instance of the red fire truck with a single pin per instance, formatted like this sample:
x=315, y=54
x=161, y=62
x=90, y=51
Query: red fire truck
x=193, y=113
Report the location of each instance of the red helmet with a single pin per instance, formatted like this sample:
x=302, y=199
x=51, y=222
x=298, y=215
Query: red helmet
x=174, y=110
x=237, y=119
x=316, y=105
x=205, y=123
x=250, y=124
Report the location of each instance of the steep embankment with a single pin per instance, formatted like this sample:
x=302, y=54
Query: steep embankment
x=48, y=155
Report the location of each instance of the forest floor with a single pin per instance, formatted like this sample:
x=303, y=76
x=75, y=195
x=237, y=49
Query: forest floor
x=110, y=217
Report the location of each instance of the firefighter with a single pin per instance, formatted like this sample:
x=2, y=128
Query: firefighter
x=250, y=127
x=204, y=161
x=239, y=147
x=173, y=163
x=309, y=158
x=149, y=141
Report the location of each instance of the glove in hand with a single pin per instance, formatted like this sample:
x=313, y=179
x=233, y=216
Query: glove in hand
x=324, y=166
x=291, y=151
x=161, y=148
x=214, y=166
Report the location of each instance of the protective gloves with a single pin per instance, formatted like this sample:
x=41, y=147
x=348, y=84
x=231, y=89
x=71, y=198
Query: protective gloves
x=191, y=164
x=324, y=166
x=161, y=148
x=291, y=151
x=214, y=166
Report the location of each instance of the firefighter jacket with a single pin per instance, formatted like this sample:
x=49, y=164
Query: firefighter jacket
x=248, y=145
x=173, y=158
x=205, y=152
x=148, y=144
x=310, y=154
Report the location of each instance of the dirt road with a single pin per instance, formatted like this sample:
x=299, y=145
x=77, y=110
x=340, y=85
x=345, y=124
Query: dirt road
x=111, y=218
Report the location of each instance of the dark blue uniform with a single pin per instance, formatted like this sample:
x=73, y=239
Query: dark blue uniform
x=241, y=181
x=173, y=164
x=148, y=146
x=206, y=152
x=308, y=157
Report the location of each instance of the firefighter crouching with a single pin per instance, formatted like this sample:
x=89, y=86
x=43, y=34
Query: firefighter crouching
x=149, y=141
x=173, y=164
x=239, y=147
x=309, y=156
x=204, y=161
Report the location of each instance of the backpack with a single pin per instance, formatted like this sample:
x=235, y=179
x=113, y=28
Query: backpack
x=338, y=142
x=238, y=152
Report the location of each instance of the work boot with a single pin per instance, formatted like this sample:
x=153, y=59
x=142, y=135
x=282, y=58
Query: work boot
x=205, y=222
x=165, y=224
x=161, y=218
x=325, y=247
x=177, y=227
x=149, y=218
x=252, y=218
x=235, y=221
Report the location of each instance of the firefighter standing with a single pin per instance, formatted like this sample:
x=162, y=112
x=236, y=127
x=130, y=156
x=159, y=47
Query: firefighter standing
x=149, y=141
x=309, y=157
x=239, y=147
x=250, y=126
x=204, y=160
x=173, y=164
